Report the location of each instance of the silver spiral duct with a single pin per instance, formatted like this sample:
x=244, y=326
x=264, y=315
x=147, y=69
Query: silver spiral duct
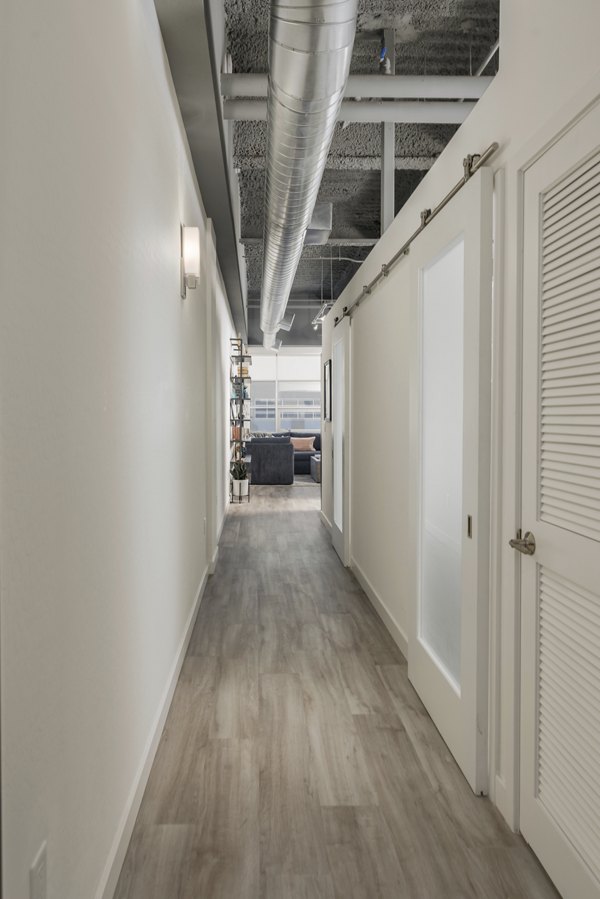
x=310, y=47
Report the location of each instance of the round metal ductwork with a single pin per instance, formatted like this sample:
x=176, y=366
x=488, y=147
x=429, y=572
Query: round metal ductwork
x=310, y=48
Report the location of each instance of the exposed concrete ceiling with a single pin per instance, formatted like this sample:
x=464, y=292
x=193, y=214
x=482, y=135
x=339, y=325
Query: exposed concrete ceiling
x=433, y=37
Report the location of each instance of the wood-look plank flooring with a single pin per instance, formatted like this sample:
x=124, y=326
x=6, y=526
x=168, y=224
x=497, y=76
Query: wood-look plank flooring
x=297, y=762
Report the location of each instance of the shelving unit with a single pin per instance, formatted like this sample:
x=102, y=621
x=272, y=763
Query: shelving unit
x=239, y=405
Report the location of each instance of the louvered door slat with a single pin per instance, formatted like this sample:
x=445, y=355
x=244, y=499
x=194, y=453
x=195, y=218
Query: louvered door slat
x=557, y=471
x=566, y=757
x=569, y=710
x=586, y=630
x=572, y=238
x=589, y=492
x=571, y=510
x=572, y=259
x=565, y=420
x=572, y=500
x=564, y=327
x=580, y=188
x=576, y=435
x=580, y=175
x=576, y=287
x=569, y=304
x=570, y=348
x=569, y=804
x=587, y=379
x=579, y=608
x=570, y=669
x=573, y=244
x=577, y=524
x=574, y=215
x=572, y=392
x=557, y=712
x=575, y=334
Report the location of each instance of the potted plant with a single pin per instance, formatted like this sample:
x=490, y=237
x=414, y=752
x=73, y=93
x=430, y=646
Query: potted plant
x=239, y=474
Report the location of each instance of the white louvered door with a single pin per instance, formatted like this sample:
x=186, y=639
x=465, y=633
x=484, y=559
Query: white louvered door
x=560, y=583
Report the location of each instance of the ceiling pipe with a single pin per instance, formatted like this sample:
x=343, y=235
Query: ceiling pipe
x=332, y=241
x=377, y=87
x=310, y=48
x=430, y=112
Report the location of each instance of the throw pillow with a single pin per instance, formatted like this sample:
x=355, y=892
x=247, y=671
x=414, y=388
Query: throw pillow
x=303, y=444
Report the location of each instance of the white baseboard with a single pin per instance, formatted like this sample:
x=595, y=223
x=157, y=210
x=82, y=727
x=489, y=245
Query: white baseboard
x=222, y=525
x=325, y=521
x=212, y=565
x=505, y=803
x=388, y=619
x=110, y=876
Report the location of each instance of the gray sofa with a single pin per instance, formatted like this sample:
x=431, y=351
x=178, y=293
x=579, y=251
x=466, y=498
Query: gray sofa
x=271, y=460
x=302, y=459
x=273, y=465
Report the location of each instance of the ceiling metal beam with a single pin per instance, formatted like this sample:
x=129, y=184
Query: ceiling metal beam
x=388, y=87
x=424, y=112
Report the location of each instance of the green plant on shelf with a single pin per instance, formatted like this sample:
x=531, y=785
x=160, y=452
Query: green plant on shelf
x=239, y=471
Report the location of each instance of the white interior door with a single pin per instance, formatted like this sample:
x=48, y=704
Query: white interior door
x=451, y=265
x=560, y=582
x=340, y=416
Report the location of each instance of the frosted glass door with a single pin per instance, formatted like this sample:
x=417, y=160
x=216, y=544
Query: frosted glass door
x=339, y=429
x=442, y=312
x=338, y=364
x=451, y=271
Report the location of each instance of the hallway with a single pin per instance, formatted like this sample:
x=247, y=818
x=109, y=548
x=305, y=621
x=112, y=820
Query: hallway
x=297, y=761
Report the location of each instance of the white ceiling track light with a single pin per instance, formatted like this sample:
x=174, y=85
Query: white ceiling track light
x=326, y=307
x=321, y=315
x=190, y=258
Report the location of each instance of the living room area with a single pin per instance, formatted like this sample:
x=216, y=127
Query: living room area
x=284, y=445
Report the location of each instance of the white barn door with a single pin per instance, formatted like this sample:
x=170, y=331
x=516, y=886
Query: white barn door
x=340, y=435
x=560, y=578
x=451, y=264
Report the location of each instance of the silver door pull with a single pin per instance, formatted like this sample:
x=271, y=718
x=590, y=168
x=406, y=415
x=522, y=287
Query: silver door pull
x=525, y=545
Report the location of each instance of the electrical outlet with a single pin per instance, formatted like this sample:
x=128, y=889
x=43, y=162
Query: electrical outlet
x=38, y=875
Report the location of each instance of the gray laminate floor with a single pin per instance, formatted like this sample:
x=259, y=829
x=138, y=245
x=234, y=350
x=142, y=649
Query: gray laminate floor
x=297, y=761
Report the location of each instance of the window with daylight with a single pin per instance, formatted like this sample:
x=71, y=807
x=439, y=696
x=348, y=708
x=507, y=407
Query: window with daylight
x=286, y=393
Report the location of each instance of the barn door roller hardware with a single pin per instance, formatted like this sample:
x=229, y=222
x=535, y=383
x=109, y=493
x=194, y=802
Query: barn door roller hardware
x=471, y=164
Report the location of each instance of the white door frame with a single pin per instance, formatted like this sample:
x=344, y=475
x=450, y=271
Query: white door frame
x=506, y=634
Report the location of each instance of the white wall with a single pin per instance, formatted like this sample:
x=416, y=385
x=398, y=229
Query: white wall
x=104, y=444
x=548, y=53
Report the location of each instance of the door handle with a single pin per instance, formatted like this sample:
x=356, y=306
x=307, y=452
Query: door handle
x=525, y=545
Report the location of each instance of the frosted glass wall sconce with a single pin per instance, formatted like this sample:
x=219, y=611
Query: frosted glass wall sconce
x=190, y=258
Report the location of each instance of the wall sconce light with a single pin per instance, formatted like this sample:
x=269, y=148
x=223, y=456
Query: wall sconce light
x=190, y=258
